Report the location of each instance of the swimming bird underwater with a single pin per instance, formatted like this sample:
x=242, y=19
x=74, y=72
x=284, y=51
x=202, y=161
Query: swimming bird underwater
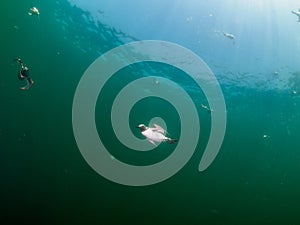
x=155, y=134
x=33, y=11
x=230, y=36
x=297, y=14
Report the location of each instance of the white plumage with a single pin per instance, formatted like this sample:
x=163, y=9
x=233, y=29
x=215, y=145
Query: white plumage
x=155, y=134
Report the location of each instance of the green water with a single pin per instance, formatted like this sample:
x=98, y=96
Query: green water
x=45, y=180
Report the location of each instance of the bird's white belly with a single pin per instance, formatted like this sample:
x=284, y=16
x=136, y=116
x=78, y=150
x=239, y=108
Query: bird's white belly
x=155, y=136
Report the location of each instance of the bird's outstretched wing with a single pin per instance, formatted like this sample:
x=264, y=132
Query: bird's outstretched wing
x=159, y=129
x=151, y=141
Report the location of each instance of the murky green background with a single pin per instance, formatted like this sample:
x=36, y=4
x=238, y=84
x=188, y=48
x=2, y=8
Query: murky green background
x=44, y=178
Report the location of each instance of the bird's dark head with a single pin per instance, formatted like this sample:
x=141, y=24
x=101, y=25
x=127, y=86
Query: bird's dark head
x=142, y=127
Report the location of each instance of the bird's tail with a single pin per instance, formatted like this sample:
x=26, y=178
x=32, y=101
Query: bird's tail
x=172, y=141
